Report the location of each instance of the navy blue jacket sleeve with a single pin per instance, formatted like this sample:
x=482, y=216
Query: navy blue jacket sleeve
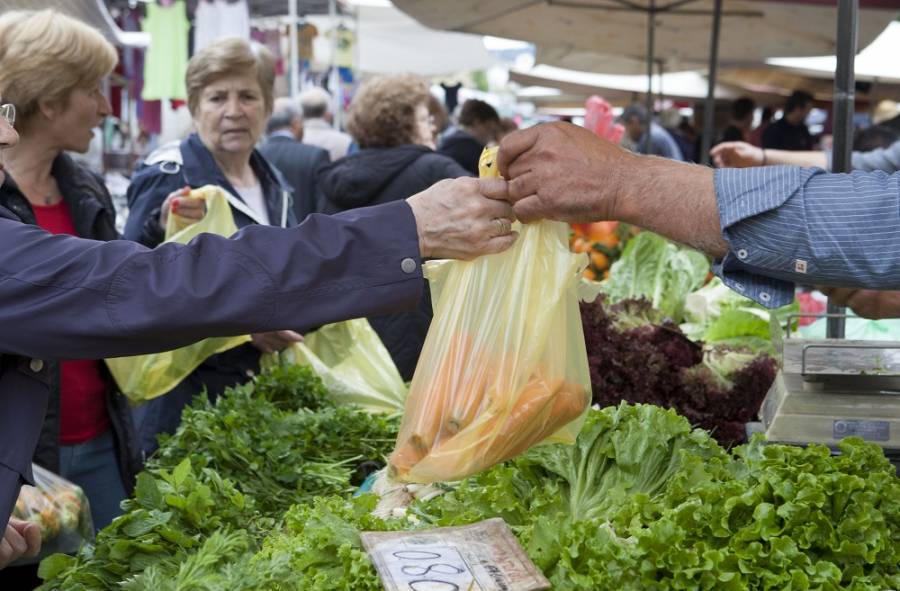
x=65, y=297
x=145, y=196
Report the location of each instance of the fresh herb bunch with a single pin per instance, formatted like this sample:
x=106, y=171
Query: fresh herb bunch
x=280, y=439
x=223, y=482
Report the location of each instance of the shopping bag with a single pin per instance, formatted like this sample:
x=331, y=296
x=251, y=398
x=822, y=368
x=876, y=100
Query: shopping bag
x=144, y=377
x=504, y=365
x=353, y=363
x=61, y=511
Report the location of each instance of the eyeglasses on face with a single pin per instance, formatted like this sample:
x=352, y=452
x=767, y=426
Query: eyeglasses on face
x=8, y=112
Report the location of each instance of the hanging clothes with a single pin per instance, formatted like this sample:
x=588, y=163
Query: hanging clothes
x=271, y=39
x=346, y=43
x=218, y=19
x=306, y=33
x=166, y=59
x=451, y=96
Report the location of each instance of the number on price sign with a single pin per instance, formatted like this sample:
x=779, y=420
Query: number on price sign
x=479, y=557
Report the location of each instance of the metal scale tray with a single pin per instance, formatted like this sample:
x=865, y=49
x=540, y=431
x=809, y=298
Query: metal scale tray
x=833, y=388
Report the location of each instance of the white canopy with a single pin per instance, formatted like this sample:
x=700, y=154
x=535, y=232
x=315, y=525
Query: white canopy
x=389, y=42
x=751, y=30
x=677, y=85
x=879, y=62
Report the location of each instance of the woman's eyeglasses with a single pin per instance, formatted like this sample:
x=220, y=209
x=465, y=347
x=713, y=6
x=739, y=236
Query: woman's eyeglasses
x=8, y=112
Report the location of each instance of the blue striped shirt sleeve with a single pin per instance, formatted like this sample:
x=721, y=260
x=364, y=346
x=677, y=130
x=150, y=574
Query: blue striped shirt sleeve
x=787, y=225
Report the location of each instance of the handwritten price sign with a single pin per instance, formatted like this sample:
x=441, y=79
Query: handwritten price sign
x=483, y=556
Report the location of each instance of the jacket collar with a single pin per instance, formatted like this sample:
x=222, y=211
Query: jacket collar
x=200, y=167
x=81, y=190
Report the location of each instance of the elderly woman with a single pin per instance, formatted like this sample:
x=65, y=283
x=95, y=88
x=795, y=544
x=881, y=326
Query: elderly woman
x=390, y=121
x=51, y=69
x=230, y=97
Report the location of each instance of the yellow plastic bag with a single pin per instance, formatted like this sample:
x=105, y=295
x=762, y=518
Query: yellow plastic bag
x=504, y=365
x=353, y=363
x=143, y=377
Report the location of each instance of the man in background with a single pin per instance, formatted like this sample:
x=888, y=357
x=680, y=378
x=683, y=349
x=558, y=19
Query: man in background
x=790, y=132
x=637, y=122
x=317, y=124
x=298, y=162
x=741, y=124
x=477, y=127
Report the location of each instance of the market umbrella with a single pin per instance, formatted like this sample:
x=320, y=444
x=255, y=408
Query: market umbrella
x=754, y=30
x=678, y=30
x=876, y=63
x=677, y=85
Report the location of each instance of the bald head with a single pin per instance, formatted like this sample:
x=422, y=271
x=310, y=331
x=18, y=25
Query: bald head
x=316, y=103
x=286, y=117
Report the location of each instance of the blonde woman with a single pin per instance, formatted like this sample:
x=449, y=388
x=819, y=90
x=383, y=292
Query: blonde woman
x=52, y=69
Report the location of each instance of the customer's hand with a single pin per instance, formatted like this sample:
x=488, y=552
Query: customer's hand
x=179, y=203
x=21, y=540
x=563, y=172
x=866, y=303
x=463, y=218
x=273, y=342
x=737, y=155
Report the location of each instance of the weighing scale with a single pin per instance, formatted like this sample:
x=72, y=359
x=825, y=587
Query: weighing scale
x=829, y=389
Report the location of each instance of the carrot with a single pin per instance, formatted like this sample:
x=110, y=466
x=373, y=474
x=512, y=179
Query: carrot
x=442, y=405
x=542, y=408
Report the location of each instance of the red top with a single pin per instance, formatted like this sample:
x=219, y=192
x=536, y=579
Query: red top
x=82, y=399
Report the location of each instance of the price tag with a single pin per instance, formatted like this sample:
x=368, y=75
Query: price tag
x=484, y=556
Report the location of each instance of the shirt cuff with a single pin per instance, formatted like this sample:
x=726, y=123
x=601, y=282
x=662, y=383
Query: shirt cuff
x=749, y=266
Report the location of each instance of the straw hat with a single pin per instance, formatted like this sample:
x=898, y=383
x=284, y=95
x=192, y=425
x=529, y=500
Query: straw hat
x=884, y=111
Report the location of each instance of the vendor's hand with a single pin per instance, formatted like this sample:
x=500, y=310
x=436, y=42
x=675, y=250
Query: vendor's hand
x=564, y=172
x=463, y=218
x=273, y=342
x=21, y=540
x=179, y=203
x=866, y=303
x=737, y=155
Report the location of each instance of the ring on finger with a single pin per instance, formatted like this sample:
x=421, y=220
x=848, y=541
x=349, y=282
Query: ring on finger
x=504, y=226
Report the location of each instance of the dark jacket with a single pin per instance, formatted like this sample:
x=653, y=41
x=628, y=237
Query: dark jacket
x=63, y=297
x=783, y=135
x=94, y=217
x=382, y=175
x=463, y=147
x=300, y=164
x=167, y=170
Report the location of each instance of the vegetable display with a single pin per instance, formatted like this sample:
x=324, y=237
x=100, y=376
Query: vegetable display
x=636, y=355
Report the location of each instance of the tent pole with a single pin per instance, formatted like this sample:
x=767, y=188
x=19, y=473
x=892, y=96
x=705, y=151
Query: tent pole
x=709, y=113
x=335, y=79
x=651, y=40
x=844, y=89
x=295, y=49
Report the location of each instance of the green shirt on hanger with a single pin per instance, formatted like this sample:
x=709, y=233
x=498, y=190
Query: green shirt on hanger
x=166, y=59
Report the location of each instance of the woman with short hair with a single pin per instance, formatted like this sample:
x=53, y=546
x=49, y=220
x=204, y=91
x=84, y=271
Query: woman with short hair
x=230, y=87
x=390, y=121
x=52, y=69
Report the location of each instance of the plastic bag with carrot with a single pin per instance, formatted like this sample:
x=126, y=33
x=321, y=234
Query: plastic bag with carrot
x=504, y=364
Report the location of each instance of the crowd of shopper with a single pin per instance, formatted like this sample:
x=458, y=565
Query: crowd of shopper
x=335, y=225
